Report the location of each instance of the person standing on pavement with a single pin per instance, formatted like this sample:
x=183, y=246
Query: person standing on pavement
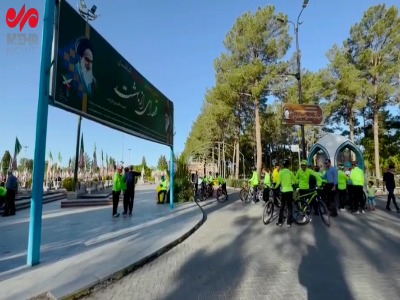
x=286, y=179
x=254, y=182
x=125, y=198
x=330, y=187
x=116, y=191
x=275, y=175
x=342, y=187
x=388, y=181
x=371, y=195
x=3, y=194
x=130, y=187
x=12, y=188
x=358, y=181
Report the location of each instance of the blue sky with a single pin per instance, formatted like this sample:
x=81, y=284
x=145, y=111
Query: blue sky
x=173, y=44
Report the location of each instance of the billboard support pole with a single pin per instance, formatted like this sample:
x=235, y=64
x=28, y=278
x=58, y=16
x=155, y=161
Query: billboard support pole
x=171, y=176
x=35, y=223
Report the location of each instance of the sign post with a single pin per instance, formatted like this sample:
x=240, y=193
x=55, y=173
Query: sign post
x=302, y=114
x=296, y=148
x=35, y=223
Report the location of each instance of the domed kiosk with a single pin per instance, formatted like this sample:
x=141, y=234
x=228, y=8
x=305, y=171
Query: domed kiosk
x=337, y=148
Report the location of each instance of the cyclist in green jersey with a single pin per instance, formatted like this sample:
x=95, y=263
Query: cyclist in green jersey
x=222, y=182
x=254, y=181
x=286, y=179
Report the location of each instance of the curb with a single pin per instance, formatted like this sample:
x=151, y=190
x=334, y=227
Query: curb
x=102, y=282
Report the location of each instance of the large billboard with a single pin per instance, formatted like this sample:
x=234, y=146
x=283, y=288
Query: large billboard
x=302, y=114
x=93, y=80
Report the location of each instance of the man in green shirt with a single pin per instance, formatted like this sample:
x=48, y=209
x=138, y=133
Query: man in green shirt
x=3, y=193
x=286, y=179
x=342, y=187
x=303, y=177
x=254, y=181
x=358, y=180
x=116, y=191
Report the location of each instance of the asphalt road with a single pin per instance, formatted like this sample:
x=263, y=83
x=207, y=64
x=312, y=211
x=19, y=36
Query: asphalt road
x=235, y=256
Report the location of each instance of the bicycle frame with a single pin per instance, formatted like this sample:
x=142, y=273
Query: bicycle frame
x=314, y=194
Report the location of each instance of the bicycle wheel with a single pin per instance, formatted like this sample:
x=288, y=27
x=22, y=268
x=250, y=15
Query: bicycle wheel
x=301, y=212
x=204, y=195
x=260, y=194
x=324, y=213
x=244, y=194
x=221, y=196
x=268, y=212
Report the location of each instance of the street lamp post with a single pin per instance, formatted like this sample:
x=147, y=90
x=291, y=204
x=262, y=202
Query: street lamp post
x=298, y=74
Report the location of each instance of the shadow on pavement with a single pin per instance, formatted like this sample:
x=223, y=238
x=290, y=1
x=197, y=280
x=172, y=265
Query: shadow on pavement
x=218, y=272
x=77, y=231
x=321, y=271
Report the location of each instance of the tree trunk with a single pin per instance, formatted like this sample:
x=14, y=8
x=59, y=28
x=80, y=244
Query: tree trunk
x=258, y=137
x=237, y=159
x=351, y=125
x=351, y=130
x=376, y=138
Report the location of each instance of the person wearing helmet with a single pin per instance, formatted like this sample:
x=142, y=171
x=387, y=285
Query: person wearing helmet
x=286, y=179
x=254, y=181
x=303, y=176
x=222, y=182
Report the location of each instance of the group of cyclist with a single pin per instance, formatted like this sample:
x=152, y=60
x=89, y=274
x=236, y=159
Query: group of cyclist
x=207, y=182
x=282, y=181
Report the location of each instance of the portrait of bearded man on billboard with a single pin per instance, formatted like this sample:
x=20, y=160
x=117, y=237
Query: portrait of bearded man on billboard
x=84, y=66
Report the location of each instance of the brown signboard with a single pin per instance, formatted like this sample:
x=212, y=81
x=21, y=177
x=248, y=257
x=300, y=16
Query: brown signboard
x=302, y=114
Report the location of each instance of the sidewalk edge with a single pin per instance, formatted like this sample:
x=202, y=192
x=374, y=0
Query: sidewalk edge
x=102, y=282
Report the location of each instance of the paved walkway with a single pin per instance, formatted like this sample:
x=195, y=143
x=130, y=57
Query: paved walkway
x=82, y=245
x=235, y=256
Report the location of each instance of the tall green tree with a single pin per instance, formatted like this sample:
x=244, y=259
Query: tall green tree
x=143, y=164
x=344, y=87
x=162, y=163
x=374, y=47
x=256, y=42
x=5, y=162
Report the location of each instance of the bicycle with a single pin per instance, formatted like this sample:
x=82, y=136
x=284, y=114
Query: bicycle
x=247, y=193
x=268, y=212
x=302, y=209
x=221, y=195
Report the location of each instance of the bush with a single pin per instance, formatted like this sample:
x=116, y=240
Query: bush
x=68, y=184
x=183, y=188
x=235, y=183
x=28, y=184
